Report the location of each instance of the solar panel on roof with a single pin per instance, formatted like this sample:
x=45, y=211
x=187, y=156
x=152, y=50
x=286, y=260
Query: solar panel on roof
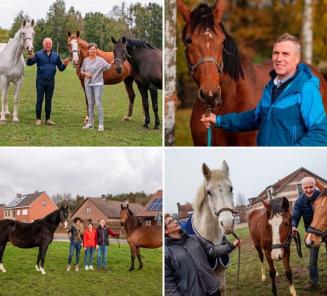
x=155, y=205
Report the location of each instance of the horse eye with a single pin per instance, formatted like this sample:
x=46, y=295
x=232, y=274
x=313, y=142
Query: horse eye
x=231, y=189
x=209, y=192
x=188, y=40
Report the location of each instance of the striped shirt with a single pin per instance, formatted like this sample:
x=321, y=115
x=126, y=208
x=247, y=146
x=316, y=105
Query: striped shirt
x=96, y=67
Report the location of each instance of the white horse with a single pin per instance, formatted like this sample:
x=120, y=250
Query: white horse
x=12, y=66
x=213, y=209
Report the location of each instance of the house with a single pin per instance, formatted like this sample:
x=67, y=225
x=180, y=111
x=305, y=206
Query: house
x=93, y=209
x=2, y=211
x=184, y=210
x=29, y=207
x=152, y=212
x=289, y=186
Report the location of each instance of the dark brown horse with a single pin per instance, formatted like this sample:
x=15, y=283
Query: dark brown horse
x=317, y=232
x=139, y=235
x=270, y=230
x=146, y=61
x=227, y=80
x=30, y=235
x=78, y=51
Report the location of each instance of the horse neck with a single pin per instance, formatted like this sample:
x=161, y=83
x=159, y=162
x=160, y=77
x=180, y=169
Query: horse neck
x=84, y=53
x=15, y=49
x=53, y=219
x=131, y=224
x=206, y=224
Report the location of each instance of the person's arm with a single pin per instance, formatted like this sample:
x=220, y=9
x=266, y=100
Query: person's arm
x=171, y=288
x=105, y=66
x=296, y=213
x=314, y=117
x=217, y=250
x=83, y=73
x=31, y=60
x=60, y=65
x=112, y=233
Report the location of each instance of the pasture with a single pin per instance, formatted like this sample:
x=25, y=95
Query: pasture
x=69, y=110
x=22, y=279
x=250, y=275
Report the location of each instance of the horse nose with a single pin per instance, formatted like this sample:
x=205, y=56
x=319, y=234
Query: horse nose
x=211, y=97
x=119, y=69
x=276, y=254
x=228, y=227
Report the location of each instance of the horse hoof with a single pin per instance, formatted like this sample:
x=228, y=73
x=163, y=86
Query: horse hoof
x=263, y=279
x=131, y=269
x=126, y=118
x=146, y=125
x=140, y=267
x=15, y=120
x=156, y=127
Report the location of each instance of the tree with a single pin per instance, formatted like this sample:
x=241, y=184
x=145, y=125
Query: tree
x=4, y=35
x=241, y=200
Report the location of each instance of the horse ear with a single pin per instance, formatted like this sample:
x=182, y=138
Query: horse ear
x=121, y=206
x=124, y=39
x=219, y=9
x=32, y=23
x=69, y=34
x=285, y=204
x=113, y=40
x=225, y=168
x=24, y=23
x=206, y=171
x=184, y=10
x=77, y=34
x=266, y=205
x=320, y=186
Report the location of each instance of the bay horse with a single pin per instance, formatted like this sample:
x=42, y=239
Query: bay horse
x=78, y=51
x=271, y=232
x=139, y=235
x=317, y=232
x=227, y=81
x=213, y=214
x=12, y=66
x=146, y=61
x=30, y=235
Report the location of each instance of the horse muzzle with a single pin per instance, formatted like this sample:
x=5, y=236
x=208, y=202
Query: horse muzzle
x=119, y=69
x=211, y=98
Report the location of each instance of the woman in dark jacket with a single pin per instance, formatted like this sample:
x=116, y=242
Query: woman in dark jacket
x=187, y=270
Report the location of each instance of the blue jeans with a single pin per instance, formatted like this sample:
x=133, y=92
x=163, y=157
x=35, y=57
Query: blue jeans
x=88, y=255
x=102, y=256
x=313, y=267
x=72, y=247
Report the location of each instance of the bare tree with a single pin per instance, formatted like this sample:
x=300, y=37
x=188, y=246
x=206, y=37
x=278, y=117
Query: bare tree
x=307, y=34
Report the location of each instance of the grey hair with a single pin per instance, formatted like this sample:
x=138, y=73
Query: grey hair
x=91, y=45
x=289, y=37
x=305, y=179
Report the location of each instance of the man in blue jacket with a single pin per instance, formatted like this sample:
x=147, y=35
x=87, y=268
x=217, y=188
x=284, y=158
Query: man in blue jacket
x=303, y=207
x=46, y=60
x=291, y=111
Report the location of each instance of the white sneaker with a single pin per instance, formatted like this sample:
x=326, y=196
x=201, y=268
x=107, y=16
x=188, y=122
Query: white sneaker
x=90, y=267
x=87, y=126
x=68, y=267
x=86, y=267
x=100, y=128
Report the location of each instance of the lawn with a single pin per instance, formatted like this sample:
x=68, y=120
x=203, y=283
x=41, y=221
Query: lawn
x=250, y=275
x=68, y=111
x=22, y=279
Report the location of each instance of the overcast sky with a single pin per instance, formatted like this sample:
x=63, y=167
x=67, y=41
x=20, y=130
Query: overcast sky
x=37, y=9
x=251, y=170
x=84, y=171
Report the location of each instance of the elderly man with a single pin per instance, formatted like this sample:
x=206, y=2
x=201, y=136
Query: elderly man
x=303, y=207
x=47, y=60
x=290, y=112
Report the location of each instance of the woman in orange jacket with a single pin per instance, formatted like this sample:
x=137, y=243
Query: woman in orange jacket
x=89, y=244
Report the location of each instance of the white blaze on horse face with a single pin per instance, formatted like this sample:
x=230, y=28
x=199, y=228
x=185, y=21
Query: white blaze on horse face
x=65, y=224
x=275, y=222
x=74, y=45
x=28, y=37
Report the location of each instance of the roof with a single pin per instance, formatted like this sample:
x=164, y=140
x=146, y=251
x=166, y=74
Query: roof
x=24, y=200
x=153, y=206
x=184, y=210
x=2, y=205
x=110, y=208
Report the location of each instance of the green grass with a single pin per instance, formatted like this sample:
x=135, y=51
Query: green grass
x=68, y=111
x=250, y=275
x=22, y=279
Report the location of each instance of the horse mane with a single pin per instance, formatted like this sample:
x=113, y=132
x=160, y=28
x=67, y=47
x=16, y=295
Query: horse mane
x=199, y=199
x=202, y=16
x=137, y=43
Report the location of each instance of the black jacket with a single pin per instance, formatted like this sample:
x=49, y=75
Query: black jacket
x=187, y=271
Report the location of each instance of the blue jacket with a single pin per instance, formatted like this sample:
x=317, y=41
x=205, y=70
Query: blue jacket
x=296, y=117
x=303, y=207
x=46, y=65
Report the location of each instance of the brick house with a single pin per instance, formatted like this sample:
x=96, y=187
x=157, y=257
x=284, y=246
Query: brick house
x=2, y=211
x=94, y=209
x=152, y=212
x=289, y=186
x=184, y=210
x=29, y=207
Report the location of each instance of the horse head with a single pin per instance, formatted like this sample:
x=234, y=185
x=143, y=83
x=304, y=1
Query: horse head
x=204, y=43
x=73, y=46
x=124, y=214
x=64, y=215
x=317, y=232
x=120, y=53
x=279, y=216
x=27, y=35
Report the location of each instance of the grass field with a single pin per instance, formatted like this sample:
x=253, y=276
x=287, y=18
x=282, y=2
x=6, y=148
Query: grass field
x=22, y=279
x=250, y=275
x=68, y=111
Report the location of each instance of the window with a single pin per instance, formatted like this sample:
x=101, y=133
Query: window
x=148, y=222
x=44, y=203
x=88, y=210
x=25, y=212
x=14, y=213
x=299, y=188
x=18, y=212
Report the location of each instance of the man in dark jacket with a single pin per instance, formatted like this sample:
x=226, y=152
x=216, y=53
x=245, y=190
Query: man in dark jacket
x=47, y=60
x=303, y=207
x=103, y=233
x=187, y=270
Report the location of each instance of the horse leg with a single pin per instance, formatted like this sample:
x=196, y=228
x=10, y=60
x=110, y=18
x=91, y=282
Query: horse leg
x=154, y=99
x=43, y=253
x=37, y=266
x=2, y=250
x=133, y=252
x=16, y=97
x=272, y=272
x=145, y=102
x=288, y=271
x=4, y=99
x=221, y=275
x=139, y=257
x=263, y=270
x=131, y=96
x=86, y=119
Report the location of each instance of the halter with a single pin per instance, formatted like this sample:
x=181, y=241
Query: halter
x=287, y=244
x=202, y=60
x=122, y=60
x=71, y=54
x=318, y=232
x=225, y=210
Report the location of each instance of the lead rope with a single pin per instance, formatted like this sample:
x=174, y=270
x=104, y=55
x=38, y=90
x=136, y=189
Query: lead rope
x=238, y=263
x=209, y=131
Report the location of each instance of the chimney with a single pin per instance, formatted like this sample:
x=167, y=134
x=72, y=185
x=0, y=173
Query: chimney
x=18, y=195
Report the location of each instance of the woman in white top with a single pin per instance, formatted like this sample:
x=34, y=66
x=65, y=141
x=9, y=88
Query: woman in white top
x=92, y=70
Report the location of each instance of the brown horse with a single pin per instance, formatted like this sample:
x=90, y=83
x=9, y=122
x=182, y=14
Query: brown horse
x=78, y=51
x=139, y=235
x=227, y=80
x=270, y=230
x=317, y=232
